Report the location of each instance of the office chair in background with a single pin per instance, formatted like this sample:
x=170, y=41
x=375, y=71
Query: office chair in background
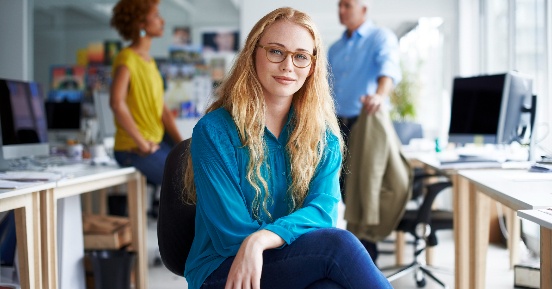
x=176, y=220
x=423, y=223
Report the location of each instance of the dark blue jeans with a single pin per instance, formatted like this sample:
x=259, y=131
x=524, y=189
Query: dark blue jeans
x=151, y=166
x=321, y=259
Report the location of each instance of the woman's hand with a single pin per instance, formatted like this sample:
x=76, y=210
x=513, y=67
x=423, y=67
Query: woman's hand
x=147, y=148
x=247, y=267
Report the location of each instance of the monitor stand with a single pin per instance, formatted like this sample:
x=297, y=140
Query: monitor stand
x=4, y=164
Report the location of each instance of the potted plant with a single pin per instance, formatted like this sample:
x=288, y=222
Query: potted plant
x=403, y=112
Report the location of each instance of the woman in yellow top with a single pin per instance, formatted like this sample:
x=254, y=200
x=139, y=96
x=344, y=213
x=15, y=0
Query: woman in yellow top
x=141, y=116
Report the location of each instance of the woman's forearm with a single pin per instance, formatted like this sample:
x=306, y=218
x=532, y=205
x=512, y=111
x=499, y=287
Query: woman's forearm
x=263, y=240
x=248, y=263
x=170, y=125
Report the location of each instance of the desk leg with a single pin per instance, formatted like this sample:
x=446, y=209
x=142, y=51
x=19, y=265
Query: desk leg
x=27, y=230
x=479, y=225
x=399, y=248
x=86, y=200
x=514, y=227
x=461, y=232
x=103, y=202
x=48, y=211
x=546, y=258
x=137, y=213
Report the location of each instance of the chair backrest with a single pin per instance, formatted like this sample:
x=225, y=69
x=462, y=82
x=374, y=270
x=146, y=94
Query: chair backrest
x=408, y=130
x=176, y=220
x=425, y=210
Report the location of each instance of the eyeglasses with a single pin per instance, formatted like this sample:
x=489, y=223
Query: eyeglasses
x=276, y=55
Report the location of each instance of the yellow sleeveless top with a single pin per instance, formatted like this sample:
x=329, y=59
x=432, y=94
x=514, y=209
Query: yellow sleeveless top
x=144, y=99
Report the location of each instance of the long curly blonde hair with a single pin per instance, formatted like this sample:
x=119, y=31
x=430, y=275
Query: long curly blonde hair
x=241, y=94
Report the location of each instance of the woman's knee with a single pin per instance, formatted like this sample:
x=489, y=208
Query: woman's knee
x=340, y=241
x=337, y=237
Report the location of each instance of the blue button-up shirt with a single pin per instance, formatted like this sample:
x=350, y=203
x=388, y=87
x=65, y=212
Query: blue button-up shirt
x=224, y=213
x=358, y=61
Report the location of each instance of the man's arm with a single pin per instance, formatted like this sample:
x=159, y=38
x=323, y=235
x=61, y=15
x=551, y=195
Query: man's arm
x=372, y=103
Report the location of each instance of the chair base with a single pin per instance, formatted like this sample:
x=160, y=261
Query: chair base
x=420, y=270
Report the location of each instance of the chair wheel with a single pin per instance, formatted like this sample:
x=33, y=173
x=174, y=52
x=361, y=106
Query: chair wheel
x=421, y=283
x=420, y=278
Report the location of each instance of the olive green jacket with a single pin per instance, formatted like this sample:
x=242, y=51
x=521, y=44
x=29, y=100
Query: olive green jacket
x=379, y=178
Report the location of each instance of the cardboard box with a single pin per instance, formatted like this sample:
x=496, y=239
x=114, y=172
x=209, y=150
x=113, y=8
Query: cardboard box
x=106, y=232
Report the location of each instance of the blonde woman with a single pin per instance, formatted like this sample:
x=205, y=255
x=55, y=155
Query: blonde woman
x=266, y=161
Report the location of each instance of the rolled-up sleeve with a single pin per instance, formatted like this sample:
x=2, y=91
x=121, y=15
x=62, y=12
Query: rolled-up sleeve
x=388, y=55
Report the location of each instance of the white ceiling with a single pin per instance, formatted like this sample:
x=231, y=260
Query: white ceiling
x=62, y=13
x=198, y=13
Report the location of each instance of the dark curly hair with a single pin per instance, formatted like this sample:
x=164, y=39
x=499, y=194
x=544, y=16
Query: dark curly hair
x=128, y=14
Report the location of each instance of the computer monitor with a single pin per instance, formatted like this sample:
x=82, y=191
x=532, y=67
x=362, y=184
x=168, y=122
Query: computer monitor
x=22, y=120
x=64, y=116
x=475, y=108
x=487, y=108
x=518, y=89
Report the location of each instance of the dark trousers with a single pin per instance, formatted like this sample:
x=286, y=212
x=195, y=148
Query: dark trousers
x=328, y=258
x=345, y=125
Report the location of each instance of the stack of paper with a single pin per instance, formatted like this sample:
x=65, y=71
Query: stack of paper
x=19, y=179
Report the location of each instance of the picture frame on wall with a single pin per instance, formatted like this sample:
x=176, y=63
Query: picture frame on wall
x=220, y=40
x=68, y=77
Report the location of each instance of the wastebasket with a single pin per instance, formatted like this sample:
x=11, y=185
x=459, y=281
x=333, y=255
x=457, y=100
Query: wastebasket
x=112, y=268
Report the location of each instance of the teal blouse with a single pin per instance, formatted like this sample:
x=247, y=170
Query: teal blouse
x=224, y=216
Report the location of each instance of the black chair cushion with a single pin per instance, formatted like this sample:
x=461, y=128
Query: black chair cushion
x=176, y=220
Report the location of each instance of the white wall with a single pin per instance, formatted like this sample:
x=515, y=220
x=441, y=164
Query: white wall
x=468, y=31
x=324, y=14
x=60, y=33
x=392, y=14
x=15, y=58
x=387, y=13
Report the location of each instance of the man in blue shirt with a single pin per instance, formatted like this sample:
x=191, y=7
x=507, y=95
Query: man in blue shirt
x=365, y=67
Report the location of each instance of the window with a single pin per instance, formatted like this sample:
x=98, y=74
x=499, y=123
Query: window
x=515, y=38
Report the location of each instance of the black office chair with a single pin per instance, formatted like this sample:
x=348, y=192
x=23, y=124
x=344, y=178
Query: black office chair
x=176, y=219
x=422, y=223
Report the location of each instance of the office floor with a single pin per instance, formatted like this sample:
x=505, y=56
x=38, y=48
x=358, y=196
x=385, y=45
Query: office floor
x=498, y=273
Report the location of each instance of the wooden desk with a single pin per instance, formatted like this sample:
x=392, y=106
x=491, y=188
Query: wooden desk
x=26, y=206
x=464, y=204
x=544, y=219
x=461, y=214
x=516, y=189
x=87, y=179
